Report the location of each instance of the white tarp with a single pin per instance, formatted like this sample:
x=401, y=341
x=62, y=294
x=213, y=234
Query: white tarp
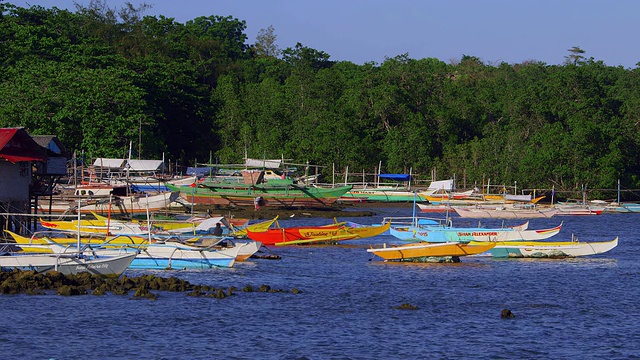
x=109, y=163
x=268, y=164
x=446, y=185
x=145, y=165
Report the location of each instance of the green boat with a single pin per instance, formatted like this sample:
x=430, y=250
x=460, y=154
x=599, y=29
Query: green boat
x=273, y=192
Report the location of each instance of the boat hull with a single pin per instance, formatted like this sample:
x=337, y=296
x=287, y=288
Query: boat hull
x=316, y=234
x=542, y=249
x=134, y=204
x=68, y=264
x=465, y=235
x=381, y=195
x=413, y=251
x=295, y=196
x=499, y=213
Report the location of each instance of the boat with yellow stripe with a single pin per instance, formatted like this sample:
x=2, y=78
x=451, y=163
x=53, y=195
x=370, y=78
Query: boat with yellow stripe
x=40, y=242
x=421, y=250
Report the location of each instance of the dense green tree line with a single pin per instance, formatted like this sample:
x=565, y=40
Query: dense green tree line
x=102, y=78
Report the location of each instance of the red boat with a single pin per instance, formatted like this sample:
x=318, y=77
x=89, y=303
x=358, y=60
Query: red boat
x=316, y=234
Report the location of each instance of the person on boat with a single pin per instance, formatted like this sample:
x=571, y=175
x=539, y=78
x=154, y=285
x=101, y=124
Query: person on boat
x=256, y=202
x=217, y=231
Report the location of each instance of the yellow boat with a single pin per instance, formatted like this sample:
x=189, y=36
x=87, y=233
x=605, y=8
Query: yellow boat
x=257, y=227
x=418, y=250
x=41, y=243
x=100, y=225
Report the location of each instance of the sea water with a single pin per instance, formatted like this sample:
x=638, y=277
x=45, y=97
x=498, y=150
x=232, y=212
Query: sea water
x=348, y=306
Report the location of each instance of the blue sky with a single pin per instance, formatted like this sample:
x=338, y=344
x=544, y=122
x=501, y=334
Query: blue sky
x=362, y=31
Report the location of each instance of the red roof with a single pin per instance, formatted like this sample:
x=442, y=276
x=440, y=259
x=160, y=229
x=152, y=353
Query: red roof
x=16, y=145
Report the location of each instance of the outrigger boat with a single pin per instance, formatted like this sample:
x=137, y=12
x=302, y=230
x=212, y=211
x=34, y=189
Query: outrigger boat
x=273, y=192
x=40, y=242
x=257, y=227
x=70, y=263
x=317, y=234
x=437, y=230
x=106, y=225
x=550, y=249
x=505, y=212
x=421, y=250
x=150, y=256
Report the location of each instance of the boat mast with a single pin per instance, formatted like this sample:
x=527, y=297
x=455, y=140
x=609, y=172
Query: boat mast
x=78, y=245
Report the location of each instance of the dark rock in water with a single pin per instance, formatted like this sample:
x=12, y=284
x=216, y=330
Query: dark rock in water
x=506, y=314
x=220, y=294
x=406, y=306
x=119, y=291
x=99, y=291
x=143, y=292
x=68, y=290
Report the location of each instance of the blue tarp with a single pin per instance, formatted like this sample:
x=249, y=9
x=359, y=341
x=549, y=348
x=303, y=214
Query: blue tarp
x=396, y=177
x=200, y=171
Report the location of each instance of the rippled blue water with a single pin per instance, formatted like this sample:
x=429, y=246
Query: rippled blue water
x=571, y=308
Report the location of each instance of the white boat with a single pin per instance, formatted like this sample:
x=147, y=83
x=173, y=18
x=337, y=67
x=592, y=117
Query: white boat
x=246, y=247
x=436, y=230
x=505, y=212
x=133, y=204
x=553, y=249
x=571, y=208
x=70, y=263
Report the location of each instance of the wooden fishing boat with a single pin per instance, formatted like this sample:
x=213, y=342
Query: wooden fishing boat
x=128, y=205
x=172, y=255
x=504, y=212
x=416, y=251
x=550, y=249
x=433, y=208
x=437, y=230
x=148, y=256
x=40, y=242
x=274, y=192
x=316, y=234
x=96, y=226
x=246, y=247
x=579, y=208
x=70, y=263
x=256, y=227
x=197, y=224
